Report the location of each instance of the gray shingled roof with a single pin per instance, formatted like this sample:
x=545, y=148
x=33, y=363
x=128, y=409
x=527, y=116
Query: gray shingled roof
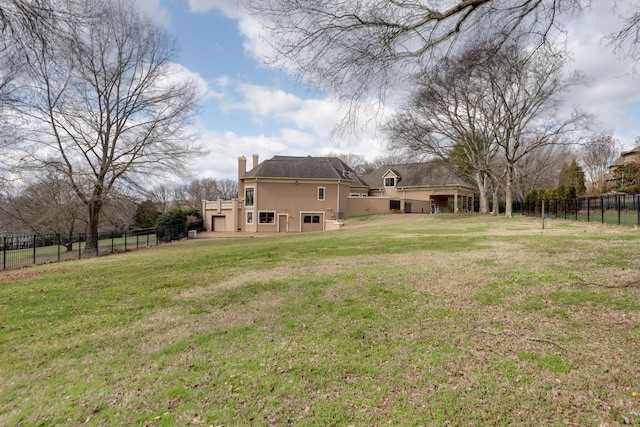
x=620, y=160
x=303, y=168
x=435, y=173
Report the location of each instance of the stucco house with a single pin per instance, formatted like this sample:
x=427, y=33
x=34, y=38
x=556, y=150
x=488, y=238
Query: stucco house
x=626, y=157
x=300, y=194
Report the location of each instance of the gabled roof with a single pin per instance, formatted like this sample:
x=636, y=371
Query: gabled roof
x=620, y=161
x=435, y=173
x=303, y=168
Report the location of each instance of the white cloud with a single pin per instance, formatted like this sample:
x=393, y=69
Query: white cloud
x=229, y=8
x=264, y=103
x=153, y=9
x=613, y=95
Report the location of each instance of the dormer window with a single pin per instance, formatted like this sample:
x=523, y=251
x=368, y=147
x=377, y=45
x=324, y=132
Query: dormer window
x=390, y=182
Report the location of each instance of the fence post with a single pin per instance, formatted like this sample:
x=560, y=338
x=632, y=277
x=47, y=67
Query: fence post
x=34, y=249
x=79, y=245
x=618, y=207
x=602, y=209
x=4, y=250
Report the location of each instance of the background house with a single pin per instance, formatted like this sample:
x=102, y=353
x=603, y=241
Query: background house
x=626, y=157
x=301, y=194
x=430, y=182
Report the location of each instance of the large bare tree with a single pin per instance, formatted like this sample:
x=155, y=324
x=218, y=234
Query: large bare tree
x=108, y=106
x=528, y=90
x=448, y=118
x=490, y=107
x=596, y=155
x=364, y=49
x=45, y=205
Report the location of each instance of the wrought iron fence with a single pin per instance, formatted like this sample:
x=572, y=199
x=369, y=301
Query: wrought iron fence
x=22, y=250
x=618, y=209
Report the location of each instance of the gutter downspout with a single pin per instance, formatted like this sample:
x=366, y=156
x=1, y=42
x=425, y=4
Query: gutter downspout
x=337, y=204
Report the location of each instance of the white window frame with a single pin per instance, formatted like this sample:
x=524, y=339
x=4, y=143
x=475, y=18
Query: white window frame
x=324, y=193
x=253, y=199
x=392, y=178
x=249, y=217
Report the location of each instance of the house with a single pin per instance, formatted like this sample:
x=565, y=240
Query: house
x=626, y=157
x=289, y=194
x=429, y=181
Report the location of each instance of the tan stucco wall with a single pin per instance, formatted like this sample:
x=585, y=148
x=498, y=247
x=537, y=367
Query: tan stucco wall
x=291, y=197
x=220, y=208
x=363, y=206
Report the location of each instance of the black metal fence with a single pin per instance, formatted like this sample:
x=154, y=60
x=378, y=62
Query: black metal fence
x=618, y=209
x=22, y=250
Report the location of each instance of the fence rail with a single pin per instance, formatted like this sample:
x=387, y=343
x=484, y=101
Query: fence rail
x=618, y=209
x=22, y=250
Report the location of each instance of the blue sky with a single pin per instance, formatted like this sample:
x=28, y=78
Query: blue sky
x=250, y=108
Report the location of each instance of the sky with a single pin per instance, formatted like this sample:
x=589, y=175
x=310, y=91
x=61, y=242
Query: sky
x=250, y=108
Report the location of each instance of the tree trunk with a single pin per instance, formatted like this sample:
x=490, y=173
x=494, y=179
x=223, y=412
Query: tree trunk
x=481, y=182
x=508, y=192
x=91, y=245
x=495, y=209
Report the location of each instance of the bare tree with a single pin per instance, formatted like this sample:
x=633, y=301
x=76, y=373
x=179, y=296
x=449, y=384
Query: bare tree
x=540, y=169
x=112, y=110
x=525, y=94
x=365, y=48
x=626, y=40
x=46, y=205
x=24, y=23
x=596, y=155
x=163, y=195
x=488, y=108
x=198, y=190
x=355, y=161
x=447, y=118
x=227, y=189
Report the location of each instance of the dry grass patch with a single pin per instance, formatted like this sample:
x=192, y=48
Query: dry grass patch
x=446, y=320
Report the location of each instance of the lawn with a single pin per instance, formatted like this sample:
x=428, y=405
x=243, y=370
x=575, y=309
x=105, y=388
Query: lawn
x=447, y=320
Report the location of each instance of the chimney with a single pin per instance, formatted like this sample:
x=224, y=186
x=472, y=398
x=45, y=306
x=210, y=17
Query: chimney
x=242, y=166
x=242, y=169
x=255, y=160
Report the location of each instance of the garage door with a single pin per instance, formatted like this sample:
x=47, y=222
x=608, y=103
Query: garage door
x=312, y=222
x=219, y=223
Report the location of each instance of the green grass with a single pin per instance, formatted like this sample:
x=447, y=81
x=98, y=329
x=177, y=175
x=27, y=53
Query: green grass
x=446, y=320
x=16, y=258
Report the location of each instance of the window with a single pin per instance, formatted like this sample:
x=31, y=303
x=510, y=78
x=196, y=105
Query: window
x=267, y=217
x=354, y=195
x=390, y=182
x=311, y=219
x=320, y=193
x=248, y=196
x=249, y=217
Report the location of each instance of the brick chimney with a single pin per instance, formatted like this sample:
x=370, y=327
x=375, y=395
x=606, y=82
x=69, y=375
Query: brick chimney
x=242, y=169
x=255, y=161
